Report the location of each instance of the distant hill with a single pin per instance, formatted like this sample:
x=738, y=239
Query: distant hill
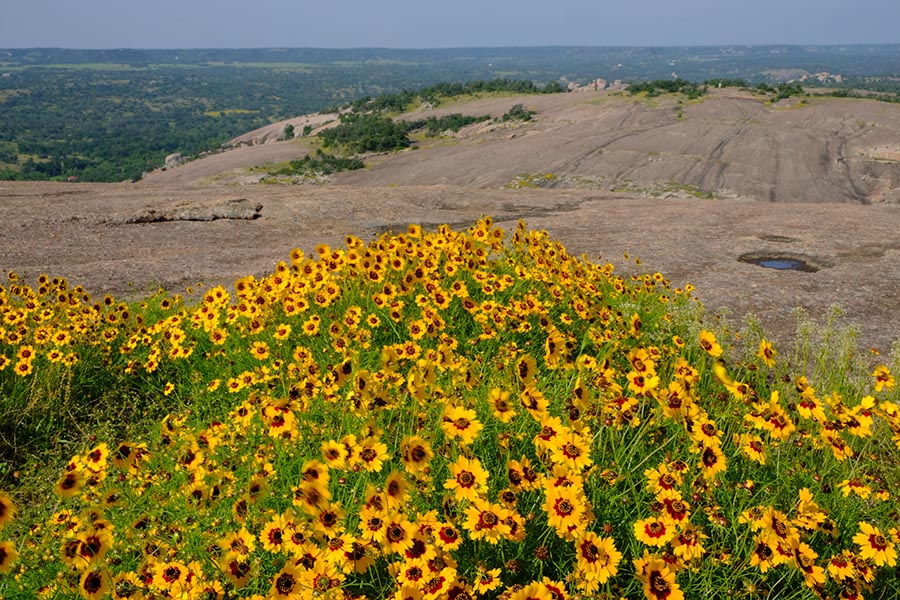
x=729, y=144
x=112, y=115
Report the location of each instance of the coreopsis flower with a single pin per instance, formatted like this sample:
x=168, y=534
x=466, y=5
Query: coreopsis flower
x=416, y=454
x=642, y=383
x=310, y=497
x=508, y=498
x=883, y=378
x=654, y=531
x=314, y=472
x=371, y=523
x=335, y=454
x=552, y=429
x=685, y=373
x=557, y=589
x=69, y=485
x=526, y=367
x=93, y=544
x=396, y=491
x=238, y=543
x=777, y=421
x=274, y=534
x=516, y=525
x=8, y=556
x=329, y=520
x=677, y=402
x=534, y=401
x=662, y=480
x=709, y=344
x=641, y=361
x=855, y=486
x=735, y=388
x=636, y=325
x=778, y=524
x=657, y=578
x=675, y=508
x=96, y=459
x=705, y=433
x=858, y=420
x=597, y=559
x=805, y=559
x=305, y=554
x=412, y=573
x=840, y=567
x=94, y=584
x=437, y=583
x=172, y=578
x=564, y=508
x=287, y=584
x=572, y=451
x=128, y=585
x=554, y=348
x=532, y=591
x=875, y=546
x=809, y=515
x=336, y=549
x=7, y=509
x=764, y=555
x=521, y=475
x=712, y=462
x=766, y=353
x=486, y=521
x=752, y=446
x=810, y=407
x=399, y=533
x=839, y=446
x=372, y=453
x=23, y=367
x=280, y=420
x=501, y=408
x=447, y=537
x=486, y=580
x=468, y=479
x=688, y=544
x=461, y=423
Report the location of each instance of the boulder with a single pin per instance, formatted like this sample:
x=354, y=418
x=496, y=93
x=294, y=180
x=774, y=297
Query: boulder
x=173, y=160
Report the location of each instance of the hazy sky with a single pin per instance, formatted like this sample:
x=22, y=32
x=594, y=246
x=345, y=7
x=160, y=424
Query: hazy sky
x=452, y=23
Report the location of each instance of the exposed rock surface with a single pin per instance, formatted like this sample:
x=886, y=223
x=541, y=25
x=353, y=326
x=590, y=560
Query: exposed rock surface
x=173, y=160
x=236, y=208
x=70, y=230
x=730, y=144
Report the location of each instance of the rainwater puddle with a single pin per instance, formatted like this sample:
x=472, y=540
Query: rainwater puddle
x=780, y=263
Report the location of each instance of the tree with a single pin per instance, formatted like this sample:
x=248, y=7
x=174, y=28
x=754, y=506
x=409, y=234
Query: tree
x=518, y=113
x=288, y=132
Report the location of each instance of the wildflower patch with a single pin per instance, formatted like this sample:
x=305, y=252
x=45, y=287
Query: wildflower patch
x=443, y=415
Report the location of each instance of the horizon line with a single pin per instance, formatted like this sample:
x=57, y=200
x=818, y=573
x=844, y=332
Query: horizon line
x=511, y=47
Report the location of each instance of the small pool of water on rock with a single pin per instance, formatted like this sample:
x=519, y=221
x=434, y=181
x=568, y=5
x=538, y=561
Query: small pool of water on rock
x=781, y=264
x=784, y=265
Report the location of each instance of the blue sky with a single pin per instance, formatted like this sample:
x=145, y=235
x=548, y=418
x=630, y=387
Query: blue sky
x=453, y=23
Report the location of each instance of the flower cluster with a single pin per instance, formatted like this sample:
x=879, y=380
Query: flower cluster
x=444, y=416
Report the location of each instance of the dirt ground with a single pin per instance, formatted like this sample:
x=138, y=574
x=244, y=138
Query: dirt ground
x=99, y=236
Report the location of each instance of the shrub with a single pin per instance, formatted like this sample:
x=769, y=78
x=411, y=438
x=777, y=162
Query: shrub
x=321, y=163
x=453, y=122
x=366, y=133
x=518, y=113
